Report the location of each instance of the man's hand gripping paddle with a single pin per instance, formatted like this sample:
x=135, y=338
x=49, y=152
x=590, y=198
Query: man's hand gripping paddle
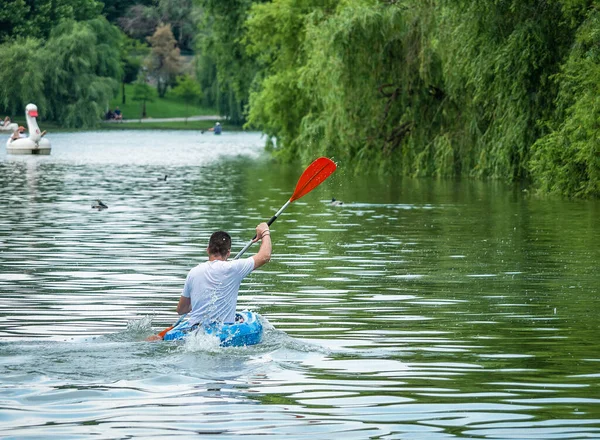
x=313, y=176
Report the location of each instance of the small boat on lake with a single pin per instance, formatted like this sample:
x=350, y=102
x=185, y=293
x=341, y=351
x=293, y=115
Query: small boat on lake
x=247, y=330
x=35, y=143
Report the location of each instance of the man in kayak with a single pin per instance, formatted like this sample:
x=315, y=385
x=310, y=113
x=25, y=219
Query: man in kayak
x=211, y=288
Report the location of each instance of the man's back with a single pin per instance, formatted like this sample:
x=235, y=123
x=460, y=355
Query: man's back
x=213, y=287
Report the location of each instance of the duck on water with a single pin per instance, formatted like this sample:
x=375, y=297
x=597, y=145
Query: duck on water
x=99, y=205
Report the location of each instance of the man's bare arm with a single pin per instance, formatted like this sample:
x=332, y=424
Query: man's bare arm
x=264, y=253
x=184, y=306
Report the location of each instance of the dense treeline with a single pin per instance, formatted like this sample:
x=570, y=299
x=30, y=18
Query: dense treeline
x=499, y=89
x=69, y=56
x=71, y=76
x=503, y=89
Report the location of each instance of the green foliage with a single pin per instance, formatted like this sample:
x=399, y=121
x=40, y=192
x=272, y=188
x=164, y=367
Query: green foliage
x=567, y=160
x=115, y=9
x=21, y=77
x=168, y=107
x=367, y=104
x=13, y=22
x=189, y=90
x=82, y=67
x=132, y=55
x=419, y=88
x=497, y=62
x=225, y=71
x=502, y=89
x=70, y=78
x=143, y=93
x=276, y=34
x=36, y=19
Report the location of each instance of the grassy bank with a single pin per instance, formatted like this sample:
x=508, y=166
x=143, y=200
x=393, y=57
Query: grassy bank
x=167, y=107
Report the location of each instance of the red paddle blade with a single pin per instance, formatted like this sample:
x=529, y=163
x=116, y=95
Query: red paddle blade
x=313, y=176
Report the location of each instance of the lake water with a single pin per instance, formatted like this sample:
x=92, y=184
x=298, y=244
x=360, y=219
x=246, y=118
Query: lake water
x=418, y=309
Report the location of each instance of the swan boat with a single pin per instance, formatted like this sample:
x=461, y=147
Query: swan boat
x=34, y=143
x=247, y=330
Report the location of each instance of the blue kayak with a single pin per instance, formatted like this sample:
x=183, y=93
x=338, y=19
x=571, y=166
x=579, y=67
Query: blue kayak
x=247, y=330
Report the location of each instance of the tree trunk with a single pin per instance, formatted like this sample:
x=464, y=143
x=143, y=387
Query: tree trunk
x=161, y=87
x=123, y=90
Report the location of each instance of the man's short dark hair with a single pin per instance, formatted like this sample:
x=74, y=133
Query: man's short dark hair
x=219, y=243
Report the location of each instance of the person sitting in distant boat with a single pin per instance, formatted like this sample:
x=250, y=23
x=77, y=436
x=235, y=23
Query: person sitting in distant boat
x=4, y=125
x=19, y=134
x=217, y=128
x=335, y=202
x=99, y=205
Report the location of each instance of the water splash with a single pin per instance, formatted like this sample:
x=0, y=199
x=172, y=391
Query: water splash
x=198, y=341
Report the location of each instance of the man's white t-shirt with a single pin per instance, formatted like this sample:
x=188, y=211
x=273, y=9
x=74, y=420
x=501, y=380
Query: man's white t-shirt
x=213, y=288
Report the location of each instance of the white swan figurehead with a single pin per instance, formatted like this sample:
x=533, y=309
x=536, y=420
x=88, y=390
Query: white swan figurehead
x=31, y=113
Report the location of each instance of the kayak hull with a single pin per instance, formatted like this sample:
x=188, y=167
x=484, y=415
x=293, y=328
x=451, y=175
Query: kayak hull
x=238, y=334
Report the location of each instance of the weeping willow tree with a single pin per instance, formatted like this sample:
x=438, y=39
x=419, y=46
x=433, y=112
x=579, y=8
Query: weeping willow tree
x=420, y=86
x=498, y=60
x=375, y=86
x=567, y=160
x=81, y=71
x=21, y=75
x=276, y=37
x=413, y=87
x=224, y=68
x=71, y=78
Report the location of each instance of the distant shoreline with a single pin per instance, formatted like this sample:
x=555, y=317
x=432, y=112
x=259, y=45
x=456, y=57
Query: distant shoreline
x=155, y=120
x=198, y=123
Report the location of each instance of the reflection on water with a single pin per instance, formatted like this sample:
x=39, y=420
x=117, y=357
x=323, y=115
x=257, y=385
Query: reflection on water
x=417, y=309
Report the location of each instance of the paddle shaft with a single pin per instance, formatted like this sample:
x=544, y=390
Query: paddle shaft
x=165, y=331
x=270, y=222
x=319, y=170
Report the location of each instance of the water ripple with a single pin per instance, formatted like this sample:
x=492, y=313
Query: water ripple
x=418, y=309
